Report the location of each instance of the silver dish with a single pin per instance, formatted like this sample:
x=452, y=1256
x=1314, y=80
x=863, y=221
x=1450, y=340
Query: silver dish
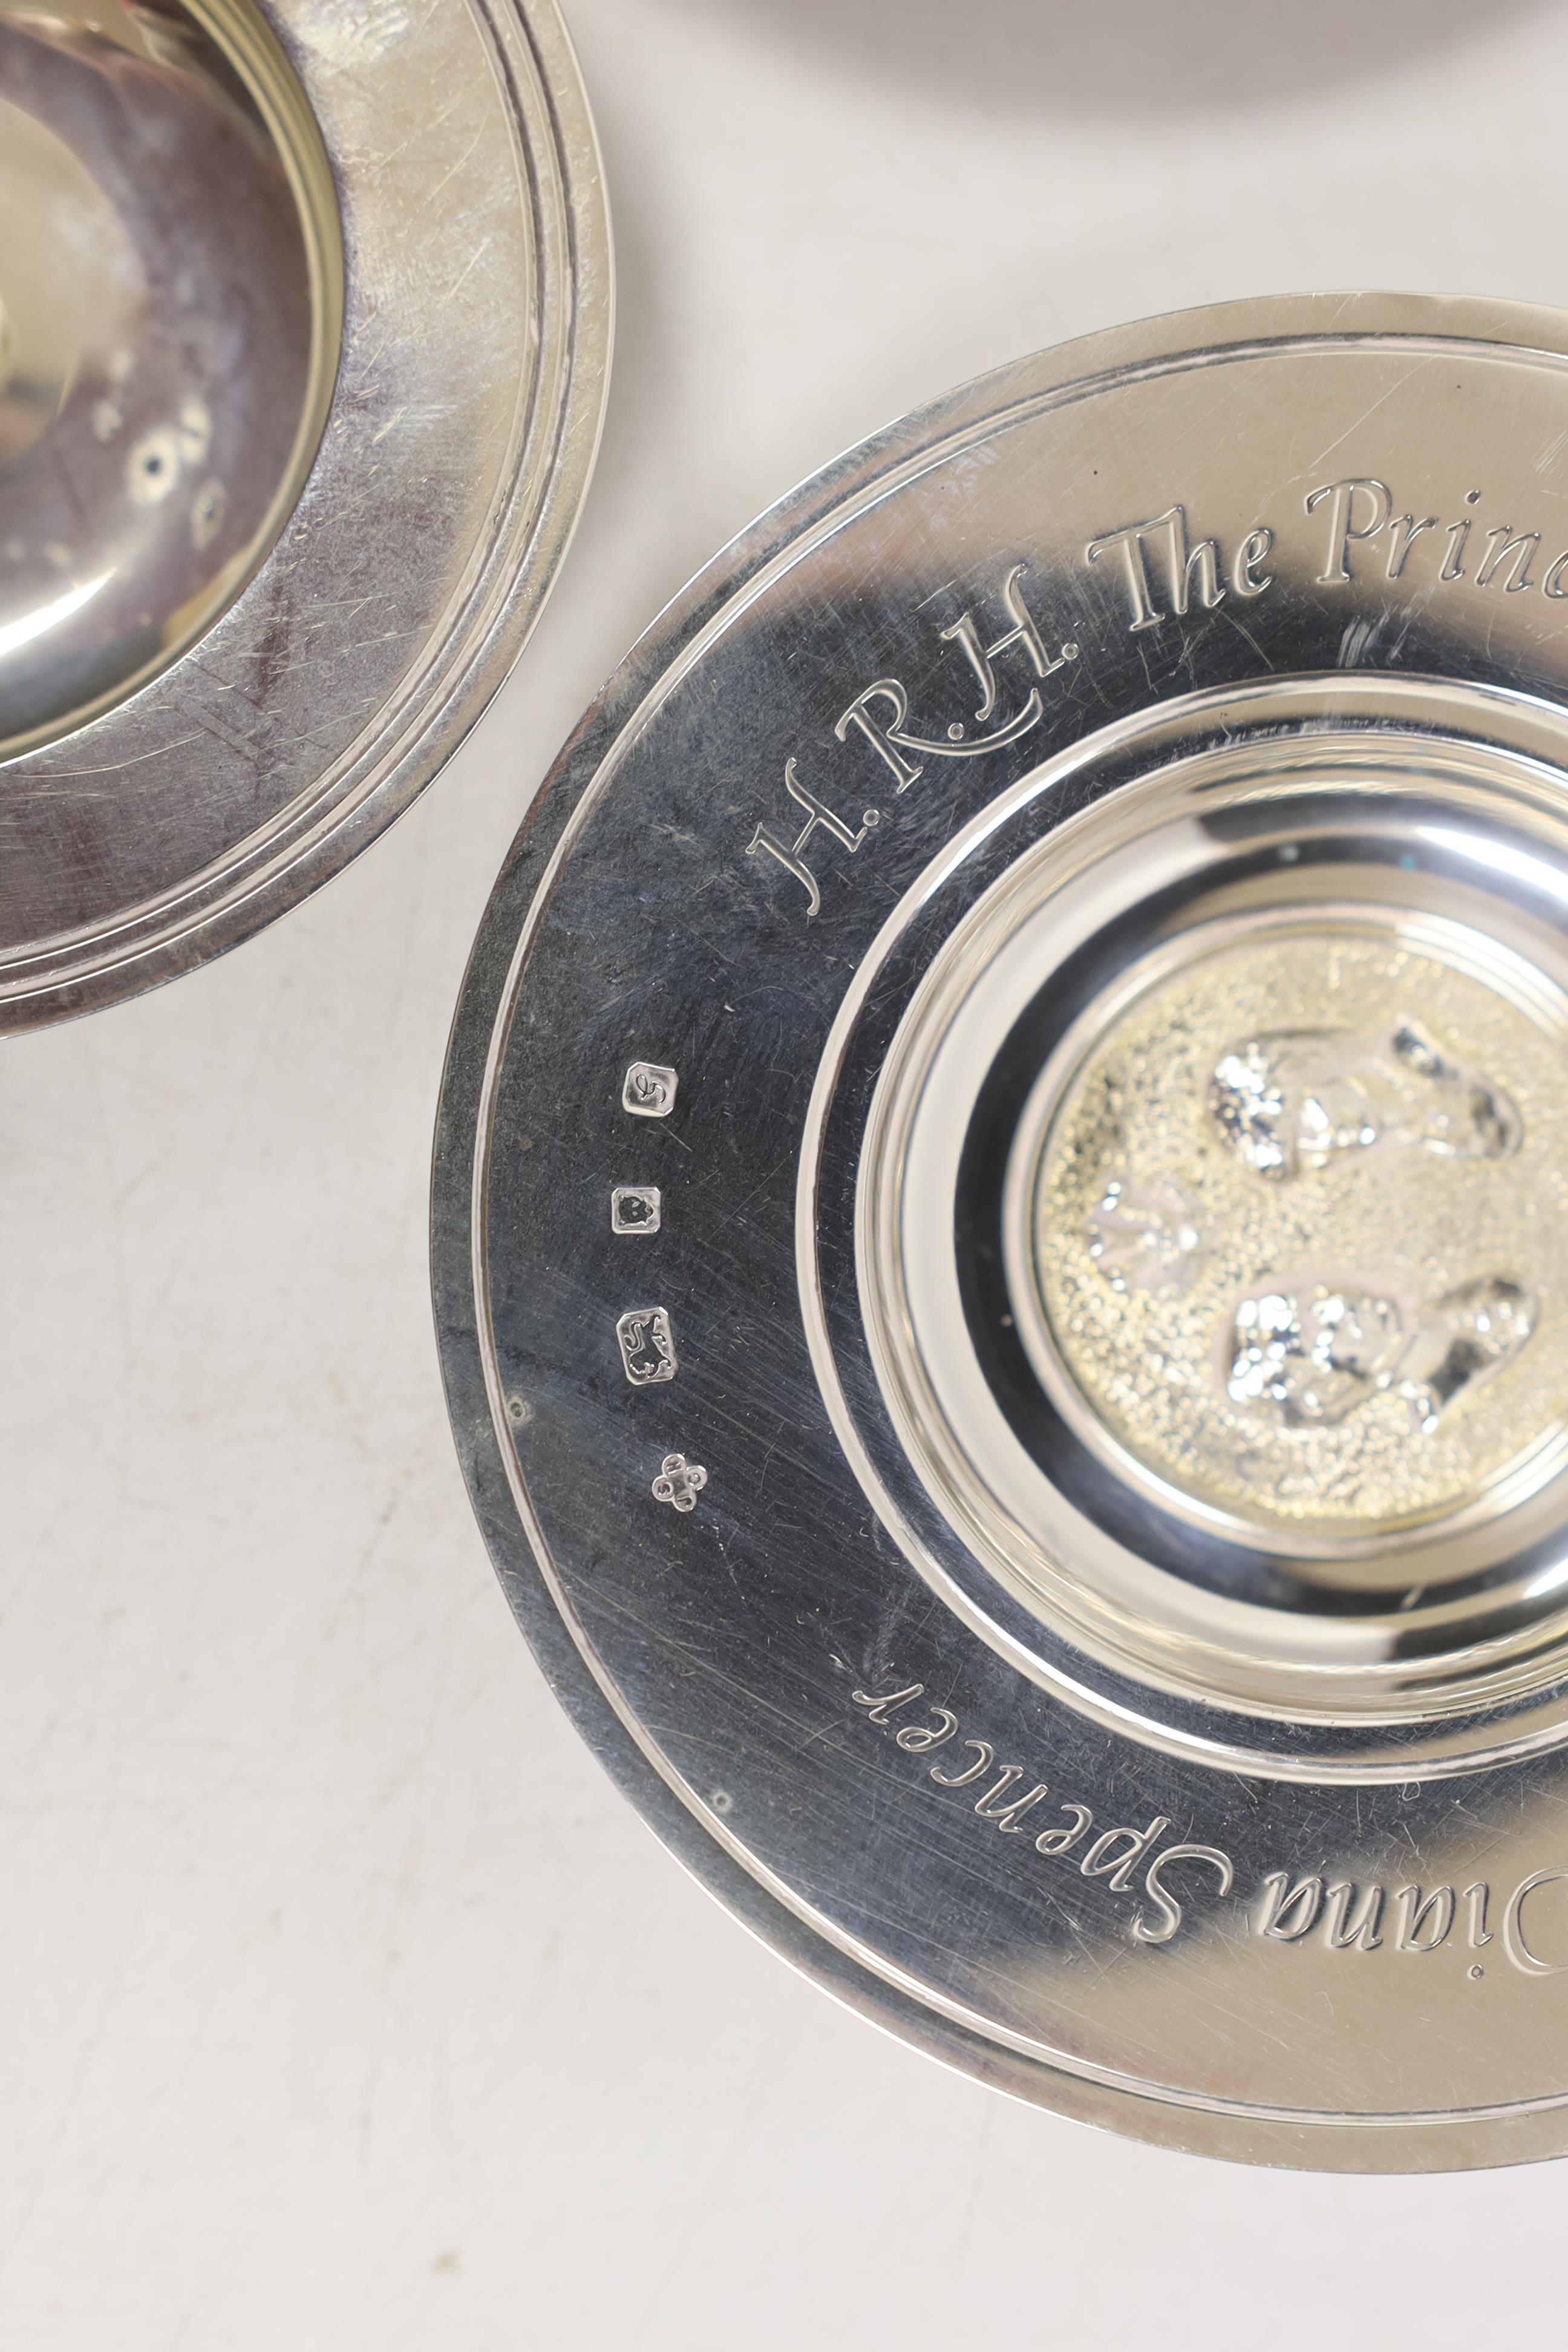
x=999, y=1230
x=302, y=376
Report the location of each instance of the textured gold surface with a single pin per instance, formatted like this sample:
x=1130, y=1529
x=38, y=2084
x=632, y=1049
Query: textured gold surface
x=1142, y=1329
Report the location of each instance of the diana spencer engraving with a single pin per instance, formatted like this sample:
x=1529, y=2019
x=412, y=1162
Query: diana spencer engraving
x=1369, y=1917
x=1122, y=1858
x=1168, y=1877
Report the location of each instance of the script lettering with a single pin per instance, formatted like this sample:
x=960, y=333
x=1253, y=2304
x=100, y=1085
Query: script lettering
x=1422, y=1922
x=1168, y=1909
x=1011, y=663
x=790, y=855
x=1118, y=1860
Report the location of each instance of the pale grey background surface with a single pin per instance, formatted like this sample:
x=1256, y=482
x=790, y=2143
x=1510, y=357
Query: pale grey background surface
x=343, y=2005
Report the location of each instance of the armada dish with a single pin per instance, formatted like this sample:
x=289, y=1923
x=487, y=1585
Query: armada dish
x=999, y=1230
x=300, y=381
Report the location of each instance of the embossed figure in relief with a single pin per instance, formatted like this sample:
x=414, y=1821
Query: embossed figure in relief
x=1146, y=1236
x=647, y=1346
x=1308, y=1353
x=679, y=1482
x=636, y=1209
x=648, y=1090
x=1298, y=1099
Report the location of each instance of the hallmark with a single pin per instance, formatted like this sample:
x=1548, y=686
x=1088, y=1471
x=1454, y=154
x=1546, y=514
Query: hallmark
x=648, y=1090
x=647, y=1346
x=679, y=1482
x=636, y=1209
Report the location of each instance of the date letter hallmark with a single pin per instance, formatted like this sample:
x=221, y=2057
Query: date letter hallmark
x=1115, y=1857
x=647, y=1091
x=1006, y=668
x=647, y=1346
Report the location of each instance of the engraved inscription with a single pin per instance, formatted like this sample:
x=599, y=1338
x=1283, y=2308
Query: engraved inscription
x=648, y=1090
x=636, y=1209
x=1162, y=568
x=1419, y=1920
x=880, y=713
x=998, y=671
x=647, y=1346
x=791, y=854
x=1167, y=1879
x=1124, y=1858
x=1164, y=572
x=1526, y=1942
x=679, y=1482
x=1362, y=532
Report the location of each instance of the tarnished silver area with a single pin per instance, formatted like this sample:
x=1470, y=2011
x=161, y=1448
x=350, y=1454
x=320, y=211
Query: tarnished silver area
x=1069, y=920
x=300, y=381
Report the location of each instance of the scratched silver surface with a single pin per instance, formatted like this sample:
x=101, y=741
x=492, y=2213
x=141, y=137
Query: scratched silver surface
x=456, y=445
x=1268, y=1948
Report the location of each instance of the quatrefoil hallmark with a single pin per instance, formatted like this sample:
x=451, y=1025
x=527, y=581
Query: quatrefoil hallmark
x=679, y=1482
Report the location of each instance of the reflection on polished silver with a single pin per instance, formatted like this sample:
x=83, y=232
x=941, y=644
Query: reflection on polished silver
x=1109, y=916
x=299, y=387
